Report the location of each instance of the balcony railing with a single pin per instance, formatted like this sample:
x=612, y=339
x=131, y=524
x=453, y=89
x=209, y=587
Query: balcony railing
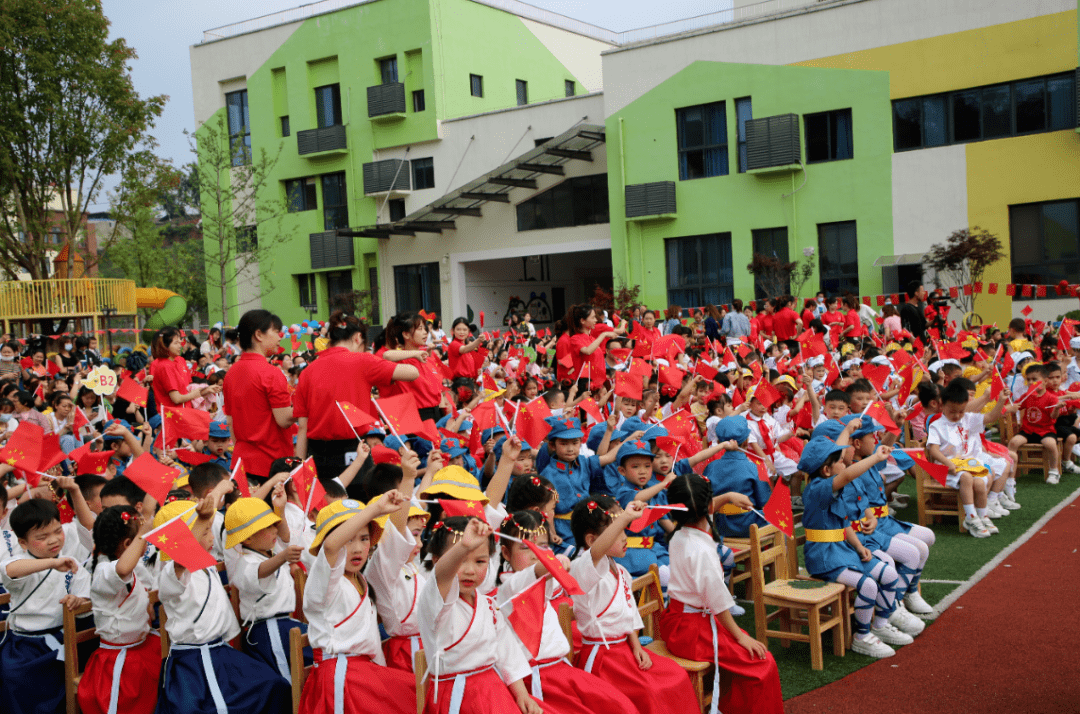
x=32, y=299
x=386, y=101
x=314, y=141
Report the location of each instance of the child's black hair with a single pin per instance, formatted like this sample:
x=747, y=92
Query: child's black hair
x=829, y=461
x=523, y=525
x=88, y=482
x=696, y=494
x=178, y=494
x=333, y=488
x=35, y=513
x=965, y=383
x=283, y=465
x=838, y=395
x=125, y=488
x=3, y=497
x=591, y=516
x=552, y=395
x=1036, y=369
x=444, y=534
x=203, y=478
x=381, y=478
x=859, y=386
x=1051, y=367
x=955, y=394
x=529, y=491
x=112, y=527
x=928, y=392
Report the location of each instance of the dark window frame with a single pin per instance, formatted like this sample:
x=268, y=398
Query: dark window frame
x=774, y=236
x=335, y=106
x=421, y=277
x=308, y=286
x=521, y=86
x=239, y=132
x=476, y=85
x=844, y=278
x=423, y=173
x=385, y=63
x=286, y=127
x=335, y=215
x=570, y=87
x=720, y=287
x=834, y=150
x=418, y=103
x=247, y=239
x=577, y=201
x=740, y=129
x=396, y=209
x=686, y=150
x=1046, y=270
x=305, y=192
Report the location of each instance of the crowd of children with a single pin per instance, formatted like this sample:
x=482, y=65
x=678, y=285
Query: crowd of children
x=562, y=463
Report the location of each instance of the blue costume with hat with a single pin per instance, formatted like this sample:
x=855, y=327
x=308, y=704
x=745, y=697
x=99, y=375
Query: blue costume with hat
x=219, y=430
x=573, y=481
x=733, y=472
x=649, y=546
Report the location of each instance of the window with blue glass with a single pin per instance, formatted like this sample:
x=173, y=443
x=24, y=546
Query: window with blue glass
x=1045, y=241
x=335, y=202
x=699, y=270
x=828, y=136
x=702, y=134
x=236, y=106
x=328, y=105
x=838, y=251
x=417, y=287
x=743, y=113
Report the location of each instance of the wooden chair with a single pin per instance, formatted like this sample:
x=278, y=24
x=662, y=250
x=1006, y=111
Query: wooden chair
x=72, y=639
x=1030, y=457
x=162, y=633
x=825, y=605
x=566, y=622
x=298, y=673
x=5, y=601
x=420, y=668
x=935, y=500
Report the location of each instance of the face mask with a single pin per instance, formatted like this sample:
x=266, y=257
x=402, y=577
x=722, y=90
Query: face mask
x=821, y=300
x=67, y=346
x=6, y=359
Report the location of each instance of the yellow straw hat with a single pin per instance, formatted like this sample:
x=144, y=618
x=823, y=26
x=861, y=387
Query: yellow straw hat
x=455, y=482
x=788, y=380
x=170, y=511
x=245, y=518
x=334, y=515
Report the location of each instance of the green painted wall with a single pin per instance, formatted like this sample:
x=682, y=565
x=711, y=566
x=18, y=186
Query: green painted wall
x=858, y=189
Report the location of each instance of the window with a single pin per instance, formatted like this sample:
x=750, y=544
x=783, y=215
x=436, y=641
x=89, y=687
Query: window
x=416, y=287
x=1026, y=106
x=335, y=202
x=828, y=136
x=839, y=258
x=338, y=283
x=418, y=100
x=236, y=105
x=522, y=92
x=309, y=297
x=773, y=243
x=571, y=87
x=285, y=130
x=702, y=141
x=247, y=239
x=1045, y=241
x=699, y=270
x=397, y=209
x=300, y=195
x=580, y=201
x=423, y=171
x=328, y=105
x=388, y=70
x=476, y=85
x=743, y=113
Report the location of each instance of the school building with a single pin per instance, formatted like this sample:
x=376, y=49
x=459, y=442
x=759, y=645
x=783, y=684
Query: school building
x=468, y=156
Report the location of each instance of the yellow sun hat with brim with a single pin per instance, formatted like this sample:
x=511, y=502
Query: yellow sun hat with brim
x=334, y=515
x=181, y=481
x=414, y=512
x=788, y=380
x=170, y=511
x=245, y=518
x=455, y=482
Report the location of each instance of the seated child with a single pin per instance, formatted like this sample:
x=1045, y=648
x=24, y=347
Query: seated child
x=647, y=547
x=609, y=617
x=217, y=445
x=1065, y=424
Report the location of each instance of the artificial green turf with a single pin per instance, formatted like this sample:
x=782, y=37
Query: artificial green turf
x=955, y=556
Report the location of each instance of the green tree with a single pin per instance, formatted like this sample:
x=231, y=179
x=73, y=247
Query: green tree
x=69, y=118
x=963, y=258
x=240, y=209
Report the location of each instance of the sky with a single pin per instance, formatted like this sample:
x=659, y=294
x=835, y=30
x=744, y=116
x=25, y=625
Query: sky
x=161, y=31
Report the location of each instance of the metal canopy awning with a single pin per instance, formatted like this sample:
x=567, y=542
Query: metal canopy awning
x=549, y=158
x=887, y=261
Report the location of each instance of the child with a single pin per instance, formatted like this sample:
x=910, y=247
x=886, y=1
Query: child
x=42, y=582
x=476, y=665
x=349, y=670
x=648, y=546
x=733, y=473
x=1065, y=424
x=535, y=493
x=553, y=680
x=122, y=674
x=609, y=618
x=202, y=672
x=833, y=552
x=766, y=434
x=261, y=573
x=699, y=596
x=217, y=445
x=123, y=443
x=203, y=479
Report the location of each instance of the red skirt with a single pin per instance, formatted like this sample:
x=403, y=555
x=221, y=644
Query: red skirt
x=485, y=693
x=138, y=688
x=753, y=685
x=570, y=689
x=368, y=687
x=398, y=652
x=664, y=688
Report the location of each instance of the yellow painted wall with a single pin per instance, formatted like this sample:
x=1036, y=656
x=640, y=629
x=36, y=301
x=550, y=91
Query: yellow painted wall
x=1005, y=172
x=999, y=53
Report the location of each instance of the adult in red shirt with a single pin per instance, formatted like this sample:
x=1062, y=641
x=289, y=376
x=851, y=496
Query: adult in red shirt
x=257, y=400
x=587, y=346
x=853, y=326
x=786, y=322
x=170, y=374
x=766, y=327
x=808, y=312
x=562, y=350
x=463, y=361
x=406, y=345
x=342, y=372
x=647, y=333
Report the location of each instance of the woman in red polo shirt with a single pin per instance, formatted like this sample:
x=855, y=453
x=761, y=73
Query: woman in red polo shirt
x=257, y=400
x=342, y=372
x=406, y=344
x=170, y=373
x=852, y=324
x=587, y=346
x=463, y=362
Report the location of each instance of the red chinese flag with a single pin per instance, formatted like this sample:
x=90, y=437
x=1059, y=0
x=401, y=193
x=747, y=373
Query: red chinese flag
x=239, y=475
x=803, y=419
x=469, y=509
x=440, y=368
x=23, y=449
x=881, y=416
x=938, y=472
x=192, y=458
x=430, y=432
x=308, y=489
x=476, y=444
x=186, y=423
x=766, y=393
x=762, y=470
x=530, y=422
x=177, y=541
x=90, y=462
x=79, y=420
x=640, y=368
x=1010, y=290
x=527, y=615
x=950, y=350
x=878, y=374
x=670, y=444
x=620, y=353
x=358, y=419
x=383, y=455
x=914, y=412
x=51, y=453
x=153, y=477
x=681, y=425
x=490, y=385
x=1041, y=291
x=401, y=413
x=556, y=569
x=650, y=515
x=778, y=510
x=590, y=407
x=997, y=385
x=483, y=416
x=671, y=376
x=52, y=368
x=567, y=360
x=131, y=391
x=706, y=370
x=1026, y=290
x=992, y=289
x=628, y=385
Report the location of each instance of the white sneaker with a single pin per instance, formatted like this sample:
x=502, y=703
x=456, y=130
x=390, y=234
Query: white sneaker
x=1076, y=450
x=914, y=603
x=890, y=635
x=1008, y=501
x=1054, y=478
x=899, y=500
x=975, y=527
x=737, y=610
x=1070, y=467
x=995, y=509
x=872, y=647
x=904, y=621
